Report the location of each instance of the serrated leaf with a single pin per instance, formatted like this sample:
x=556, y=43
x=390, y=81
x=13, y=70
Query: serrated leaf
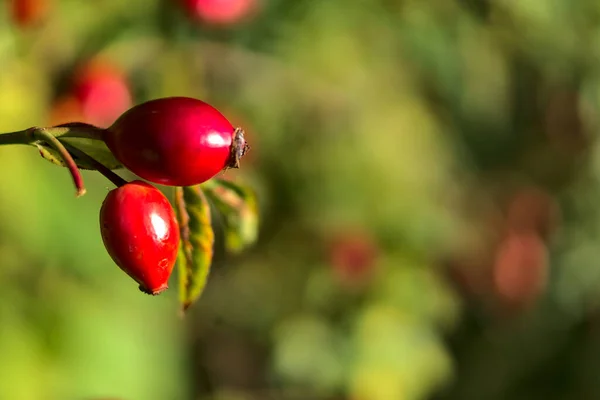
x=238, y=206
x=96, y=149
x=197, y=240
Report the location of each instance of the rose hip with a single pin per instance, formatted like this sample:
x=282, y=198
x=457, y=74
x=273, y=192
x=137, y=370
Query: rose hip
x=521, y=268
x=353, y=256
x=141, y=234
x=102, y=91
x=175, y=141
x=220, y=12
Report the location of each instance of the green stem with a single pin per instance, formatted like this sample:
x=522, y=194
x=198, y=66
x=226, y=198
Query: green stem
x=72, y=130
x=43, y=135
x=110, y=175
x=20, y=137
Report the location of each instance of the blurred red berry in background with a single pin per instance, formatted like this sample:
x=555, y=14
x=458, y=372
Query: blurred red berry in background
x=353, y=256
x=103, y=92
x=520, y=269
x=26, y=13
x=220, y=12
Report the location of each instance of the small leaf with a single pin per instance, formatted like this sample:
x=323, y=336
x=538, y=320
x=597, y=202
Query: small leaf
x=238, y=205
x=197, y=239
x=50, y=154
x=94, y=148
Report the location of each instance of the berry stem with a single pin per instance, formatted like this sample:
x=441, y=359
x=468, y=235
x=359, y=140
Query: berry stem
x=42, y=135
x=110, y=175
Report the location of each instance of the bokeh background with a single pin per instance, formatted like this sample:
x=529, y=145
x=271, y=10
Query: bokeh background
x=429, y=184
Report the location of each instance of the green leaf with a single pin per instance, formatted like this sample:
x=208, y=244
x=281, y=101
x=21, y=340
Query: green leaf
x=237, y=203
x=94, y=148
x=50, y=154
x=197, y=239
x=97, y=150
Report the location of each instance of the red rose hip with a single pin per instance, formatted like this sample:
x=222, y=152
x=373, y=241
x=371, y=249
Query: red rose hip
x=103, y=92
x=141, y=234
x=175, y=141
x=220, y=12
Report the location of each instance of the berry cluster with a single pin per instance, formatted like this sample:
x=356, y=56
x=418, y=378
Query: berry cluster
x=175, y=141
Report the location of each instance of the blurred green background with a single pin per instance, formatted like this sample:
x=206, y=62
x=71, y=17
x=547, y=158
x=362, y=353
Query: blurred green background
x=428, y=178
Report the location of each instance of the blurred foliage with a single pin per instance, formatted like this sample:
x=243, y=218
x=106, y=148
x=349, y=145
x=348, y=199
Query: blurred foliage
x=427, y=177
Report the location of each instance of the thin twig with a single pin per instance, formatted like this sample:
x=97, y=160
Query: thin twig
x=110, y=175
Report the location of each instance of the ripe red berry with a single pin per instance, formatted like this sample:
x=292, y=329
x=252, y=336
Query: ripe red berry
x=102, y=91
x=141, y=234
x=220, y=12
x=176, y=141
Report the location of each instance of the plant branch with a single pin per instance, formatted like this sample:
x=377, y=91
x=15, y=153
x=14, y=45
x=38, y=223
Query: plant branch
x=72, y=130
x=110, y=175
x=20, y=137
